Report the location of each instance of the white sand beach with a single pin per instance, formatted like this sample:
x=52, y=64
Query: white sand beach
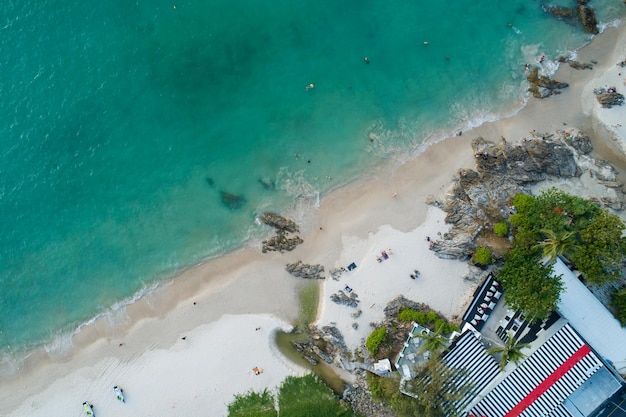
x=438, y=283
x=195, y=376
x=218, y=306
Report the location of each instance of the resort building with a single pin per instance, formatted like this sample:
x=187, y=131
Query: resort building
x=572, y=360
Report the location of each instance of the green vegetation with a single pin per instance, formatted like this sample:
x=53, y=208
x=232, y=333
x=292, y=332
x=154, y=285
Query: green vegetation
x=529, y=284
x=305, y=396
x=387, y=390
x=429, y=320
x=510, y=352
x=375, y=339
x=253, y=404
x=433, y=342
x=618, y=301
x=558, y=224
x=435, y=385
x=482, y=256
x=501, y=229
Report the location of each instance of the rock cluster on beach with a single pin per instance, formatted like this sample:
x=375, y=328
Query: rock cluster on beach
x=350, y=300
x=542, y=86
x=280, y=242
x=480, y=198
x=302, y=270
x=609, y=97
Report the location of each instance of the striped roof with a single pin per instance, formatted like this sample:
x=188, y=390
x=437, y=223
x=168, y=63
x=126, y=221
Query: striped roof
x=478, y=369
x=542, y=382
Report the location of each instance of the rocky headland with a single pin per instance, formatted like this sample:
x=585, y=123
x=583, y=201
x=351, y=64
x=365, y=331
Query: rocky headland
x=476, y=200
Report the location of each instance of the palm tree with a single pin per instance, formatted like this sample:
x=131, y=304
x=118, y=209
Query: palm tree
x=434, y=341
x=556, y=243
x=511, y=351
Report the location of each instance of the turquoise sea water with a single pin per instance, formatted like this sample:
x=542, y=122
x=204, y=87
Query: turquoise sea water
x=122, y=122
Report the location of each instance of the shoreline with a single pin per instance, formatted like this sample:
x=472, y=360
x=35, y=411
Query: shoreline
x=249, y=283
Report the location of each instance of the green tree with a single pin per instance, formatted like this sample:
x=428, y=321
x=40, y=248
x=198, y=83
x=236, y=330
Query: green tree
x=308, y=396
x=433, y=341
x=600, y=254
x=557, y=243
x=436, y=388
x=529, y=285
x=253, y=404
x=510, y=352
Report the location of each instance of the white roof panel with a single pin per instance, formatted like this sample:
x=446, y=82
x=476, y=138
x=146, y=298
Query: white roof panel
x=591, y=319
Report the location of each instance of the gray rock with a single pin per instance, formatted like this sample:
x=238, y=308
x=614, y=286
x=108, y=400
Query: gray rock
x=279, y=222
x=302, y=270
x=587, y=17
x=480, y=198
x=350, y=300
x=542, y=86
x=608, y=100
x=280, y=242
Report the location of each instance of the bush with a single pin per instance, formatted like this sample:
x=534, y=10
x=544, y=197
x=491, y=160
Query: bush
x=375, y=339
x=253, y=404
x=431, y=317
x=522, y=202
x=501, y=229
x=618, y=301
x=408, y=315
x=482, y=256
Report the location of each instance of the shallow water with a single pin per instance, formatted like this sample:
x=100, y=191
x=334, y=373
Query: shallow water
x=123, y=124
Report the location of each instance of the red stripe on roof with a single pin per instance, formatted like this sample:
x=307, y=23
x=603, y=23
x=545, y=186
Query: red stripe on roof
x=549, y=381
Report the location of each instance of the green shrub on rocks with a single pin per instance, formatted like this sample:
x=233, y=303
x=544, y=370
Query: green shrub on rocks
x=375, y=339
x=430, y=320
x=408, y=315
x=482, y=256
x=501, y=229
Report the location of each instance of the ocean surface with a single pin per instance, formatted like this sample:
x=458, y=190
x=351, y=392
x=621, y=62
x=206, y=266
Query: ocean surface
x=141, y=137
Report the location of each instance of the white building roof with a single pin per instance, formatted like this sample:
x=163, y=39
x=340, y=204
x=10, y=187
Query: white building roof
x=541, y=384
x=591, y=319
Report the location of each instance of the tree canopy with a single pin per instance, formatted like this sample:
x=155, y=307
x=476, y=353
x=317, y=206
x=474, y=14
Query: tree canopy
x=554, y=224
x=529, y=284
x=436, y=389
x=510, y=352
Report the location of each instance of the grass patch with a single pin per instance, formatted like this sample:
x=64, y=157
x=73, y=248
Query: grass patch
x=305, y=396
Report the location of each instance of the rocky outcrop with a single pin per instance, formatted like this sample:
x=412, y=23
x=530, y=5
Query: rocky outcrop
x=350, y=300
x=587, y=16
x=326, y=344
x=479, y=198
x=560, y=12
x=580, y=65
x=394, y=306
x=302, y=270
x=582, y=12
x=609, y=98
x=232, y=201
x=279, y=222
x=359, y=397
x=542, y=86
x=280, y=242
